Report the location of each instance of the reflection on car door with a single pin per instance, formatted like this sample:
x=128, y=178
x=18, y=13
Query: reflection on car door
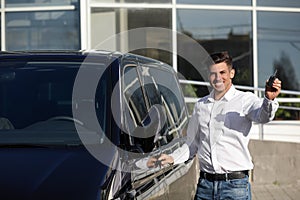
x=180, y=179
x=141, y=124
x=154, y=122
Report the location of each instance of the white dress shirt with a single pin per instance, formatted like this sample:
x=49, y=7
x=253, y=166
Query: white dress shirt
x=218, y=131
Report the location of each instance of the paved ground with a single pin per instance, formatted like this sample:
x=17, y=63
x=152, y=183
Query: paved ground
x=275, y=192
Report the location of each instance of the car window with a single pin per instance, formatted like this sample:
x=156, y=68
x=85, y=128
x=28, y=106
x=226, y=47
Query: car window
x=165, y=83
x=37, y=95
x=165, y=121
x=156, y=109
x=134, y=95
x=136, y=111
x=170, y=89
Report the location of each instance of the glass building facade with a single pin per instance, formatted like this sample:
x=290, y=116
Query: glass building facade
x=261, y=35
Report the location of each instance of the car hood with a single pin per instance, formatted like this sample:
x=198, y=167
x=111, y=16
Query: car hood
x=50, y=173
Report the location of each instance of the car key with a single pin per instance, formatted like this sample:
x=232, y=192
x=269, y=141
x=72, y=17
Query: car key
x=272, y=79
x=157, y=162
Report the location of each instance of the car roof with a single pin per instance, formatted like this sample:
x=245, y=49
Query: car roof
x=45, y=53
x=92, y=52
x=61, y=55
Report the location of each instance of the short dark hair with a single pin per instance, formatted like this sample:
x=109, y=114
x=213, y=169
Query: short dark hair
x=223, y=56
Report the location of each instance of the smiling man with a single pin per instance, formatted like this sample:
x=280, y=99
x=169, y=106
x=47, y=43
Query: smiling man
x=218, y=132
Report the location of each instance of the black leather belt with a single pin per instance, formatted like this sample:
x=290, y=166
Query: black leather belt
x=224, y=177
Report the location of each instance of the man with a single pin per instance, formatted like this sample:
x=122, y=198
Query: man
x=218, y=132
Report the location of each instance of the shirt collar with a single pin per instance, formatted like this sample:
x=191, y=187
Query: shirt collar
x=210, y=97
x=230, y=93
x=227, y=97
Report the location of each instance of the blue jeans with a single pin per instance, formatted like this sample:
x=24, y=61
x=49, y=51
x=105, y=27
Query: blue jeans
x=236, y=189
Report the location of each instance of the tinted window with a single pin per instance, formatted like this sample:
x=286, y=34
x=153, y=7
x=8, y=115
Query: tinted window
x=136, y=111
x=134, y=95
x=170, y=90
x=154, y=106
x=34, y=93
x=163, y=86
x=157, y=112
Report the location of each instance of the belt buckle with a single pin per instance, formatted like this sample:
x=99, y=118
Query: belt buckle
x=226, y=176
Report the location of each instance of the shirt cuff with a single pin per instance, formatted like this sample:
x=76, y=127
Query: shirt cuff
x=181, y=154
x=270, y=106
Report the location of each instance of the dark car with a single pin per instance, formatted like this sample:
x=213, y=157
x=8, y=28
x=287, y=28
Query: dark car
x=82, y=125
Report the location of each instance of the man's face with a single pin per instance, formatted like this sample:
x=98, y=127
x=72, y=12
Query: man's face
x=220, y=77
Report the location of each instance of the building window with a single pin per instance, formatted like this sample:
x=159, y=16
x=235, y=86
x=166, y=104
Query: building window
x=279, y=48
x=216, y=2
x=218, y=31
x=35, y=3
x=285, y=3
x=131, y=1
x=42, y=30
x=41, y=25
x=107, y=23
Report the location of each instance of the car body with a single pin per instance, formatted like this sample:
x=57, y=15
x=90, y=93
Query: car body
x=81, y=125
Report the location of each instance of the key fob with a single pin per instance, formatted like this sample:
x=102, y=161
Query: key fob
x=272, y=79
x=157, y=163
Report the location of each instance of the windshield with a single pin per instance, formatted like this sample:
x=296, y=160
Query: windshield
x=36, y=101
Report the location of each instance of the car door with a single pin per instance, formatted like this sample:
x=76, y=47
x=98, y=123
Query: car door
x=154, y=119
x=134, y=180
x=180, y=179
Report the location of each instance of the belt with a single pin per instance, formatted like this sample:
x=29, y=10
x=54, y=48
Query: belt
x=224, y=177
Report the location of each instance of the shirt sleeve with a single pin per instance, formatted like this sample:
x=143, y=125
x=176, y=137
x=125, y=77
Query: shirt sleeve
x=142, y=163
x=181, y=154
x=270, y=107
x=192, y=130
x=261, y=111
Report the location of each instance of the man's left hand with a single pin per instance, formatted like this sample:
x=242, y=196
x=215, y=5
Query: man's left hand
x=272, y=92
